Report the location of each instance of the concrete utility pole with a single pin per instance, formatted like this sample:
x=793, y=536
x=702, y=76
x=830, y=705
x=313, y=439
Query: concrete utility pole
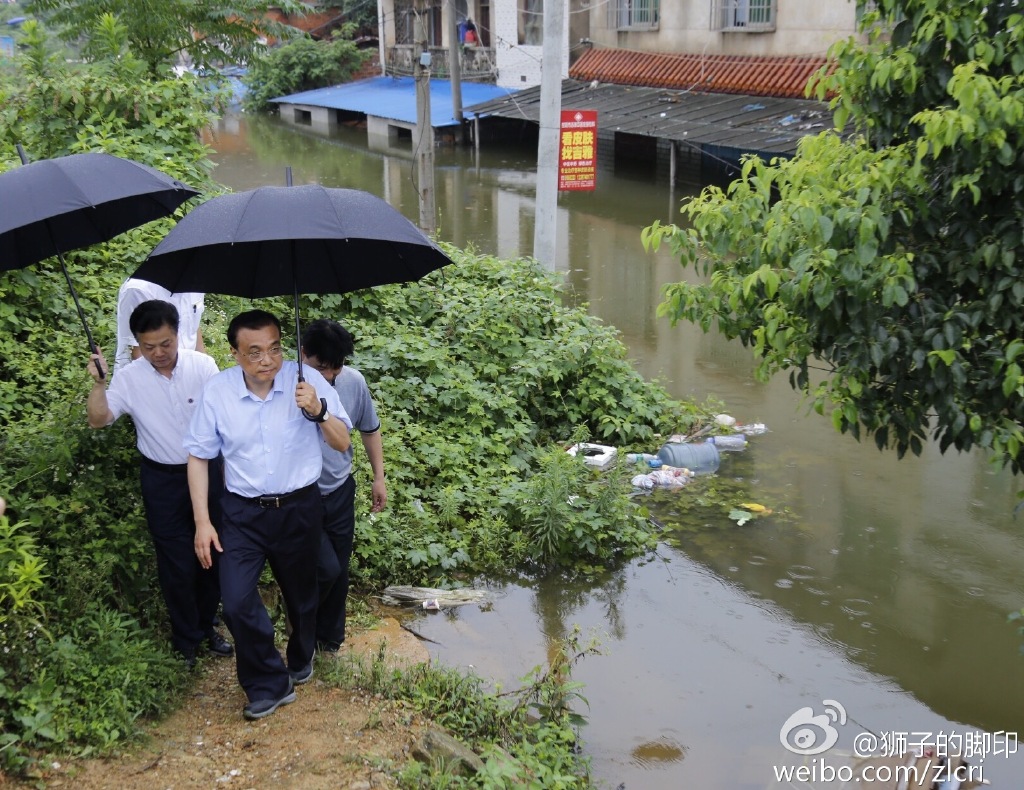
x=424, y=145
x=455, y=65
x=546, y=219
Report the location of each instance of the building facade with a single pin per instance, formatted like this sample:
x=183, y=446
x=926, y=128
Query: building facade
x=509, y=33
x=508, y=45
x=779, y=28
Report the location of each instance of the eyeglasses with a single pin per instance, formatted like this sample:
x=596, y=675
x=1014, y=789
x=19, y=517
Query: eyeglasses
x=273, y=352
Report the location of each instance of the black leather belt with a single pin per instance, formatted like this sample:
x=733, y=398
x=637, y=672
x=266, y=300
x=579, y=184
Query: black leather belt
x=275, y=500
x=179, y=469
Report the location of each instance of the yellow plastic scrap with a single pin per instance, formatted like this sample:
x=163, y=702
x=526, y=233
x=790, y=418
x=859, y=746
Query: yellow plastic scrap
x=753, y=507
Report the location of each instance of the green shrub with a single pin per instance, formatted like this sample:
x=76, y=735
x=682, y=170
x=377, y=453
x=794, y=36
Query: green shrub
x=528, y=737
x=482, y=378
x=82, y=655
x=82, y=690
x=301, y=65
x=21, y=578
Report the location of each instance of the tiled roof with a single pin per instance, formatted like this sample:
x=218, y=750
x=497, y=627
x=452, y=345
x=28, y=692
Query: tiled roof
x=318, y=24
x=750, y=75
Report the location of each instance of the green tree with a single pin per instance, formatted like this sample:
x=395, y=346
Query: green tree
x=360, y=14
x=885, y=272
x=301, y=65
x=160, y=33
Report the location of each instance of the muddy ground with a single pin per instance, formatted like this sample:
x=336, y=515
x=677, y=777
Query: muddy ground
x=327, y=738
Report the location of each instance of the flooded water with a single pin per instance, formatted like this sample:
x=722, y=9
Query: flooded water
x=877, y=586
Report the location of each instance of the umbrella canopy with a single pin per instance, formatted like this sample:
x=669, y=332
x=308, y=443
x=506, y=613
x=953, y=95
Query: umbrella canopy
x=276, y=241
x=56, y=205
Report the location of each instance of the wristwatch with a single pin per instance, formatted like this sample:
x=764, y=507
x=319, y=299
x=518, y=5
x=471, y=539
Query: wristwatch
x=322, y=416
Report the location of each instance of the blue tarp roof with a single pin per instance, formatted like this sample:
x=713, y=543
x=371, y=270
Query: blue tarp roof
x=395, y=98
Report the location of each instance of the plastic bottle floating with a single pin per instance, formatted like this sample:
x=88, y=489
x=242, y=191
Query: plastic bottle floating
x=730, y=442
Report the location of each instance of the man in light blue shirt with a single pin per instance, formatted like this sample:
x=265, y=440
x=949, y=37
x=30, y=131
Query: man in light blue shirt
x=267, y=424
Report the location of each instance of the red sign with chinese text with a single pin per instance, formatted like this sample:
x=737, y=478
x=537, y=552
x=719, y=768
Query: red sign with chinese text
x=577, y=150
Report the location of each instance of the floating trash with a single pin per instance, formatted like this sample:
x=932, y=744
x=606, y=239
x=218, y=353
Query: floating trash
x=431, y=598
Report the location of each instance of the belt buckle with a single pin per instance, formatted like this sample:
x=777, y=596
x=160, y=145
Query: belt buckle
x=270, y=501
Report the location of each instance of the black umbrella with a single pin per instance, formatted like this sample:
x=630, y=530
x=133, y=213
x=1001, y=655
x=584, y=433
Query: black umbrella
x=55, y=205
x=276, y=241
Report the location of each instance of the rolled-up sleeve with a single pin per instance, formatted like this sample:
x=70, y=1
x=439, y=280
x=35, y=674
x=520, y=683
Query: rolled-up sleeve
x=202, y=439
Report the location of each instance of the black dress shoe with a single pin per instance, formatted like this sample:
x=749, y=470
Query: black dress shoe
x=218, y=645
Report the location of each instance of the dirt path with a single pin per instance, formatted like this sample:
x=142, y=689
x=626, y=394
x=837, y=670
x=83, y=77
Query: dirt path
x=328, y=738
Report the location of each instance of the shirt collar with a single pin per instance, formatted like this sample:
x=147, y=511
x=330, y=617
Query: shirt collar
x=243, y=391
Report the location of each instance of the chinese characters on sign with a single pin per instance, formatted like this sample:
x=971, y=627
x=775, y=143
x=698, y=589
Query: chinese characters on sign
x=577, y=150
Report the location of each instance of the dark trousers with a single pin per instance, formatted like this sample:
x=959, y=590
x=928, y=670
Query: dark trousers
x=190, y=592
x=287, y=537
x=332, y=564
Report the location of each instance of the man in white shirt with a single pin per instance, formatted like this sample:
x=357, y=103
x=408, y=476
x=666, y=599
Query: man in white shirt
x=134, y=292
x=160, y=390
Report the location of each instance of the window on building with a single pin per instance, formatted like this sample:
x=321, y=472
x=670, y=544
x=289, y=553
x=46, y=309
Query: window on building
x=744, y=16
x=407, y=29
x=633, y=14
x=483, y=22
x=531, y=22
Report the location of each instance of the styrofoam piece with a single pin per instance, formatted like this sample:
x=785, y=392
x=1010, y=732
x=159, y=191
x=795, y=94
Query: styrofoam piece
x=598, y=456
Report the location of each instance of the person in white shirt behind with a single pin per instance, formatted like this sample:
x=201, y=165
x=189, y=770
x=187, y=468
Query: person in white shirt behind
x=160, y=391
x=134, y=292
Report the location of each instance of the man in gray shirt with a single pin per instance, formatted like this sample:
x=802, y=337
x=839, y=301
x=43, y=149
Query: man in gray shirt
x=325, y=347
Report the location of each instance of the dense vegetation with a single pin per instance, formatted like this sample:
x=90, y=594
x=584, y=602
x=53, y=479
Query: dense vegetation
x=886, y=272
x=481, y=373
x=205, y=35
x=301, y=65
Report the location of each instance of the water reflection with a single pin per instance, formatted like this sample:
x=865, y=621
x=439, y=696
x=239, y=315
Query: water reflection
x=880, y=583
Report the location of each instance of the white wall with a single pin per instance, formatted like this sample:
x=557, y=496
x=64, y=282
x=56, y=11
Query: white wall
x=519, y=65
x=802, y=27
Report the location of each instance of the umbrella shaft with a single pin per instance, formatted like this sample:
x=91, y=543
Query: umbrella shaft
x=81, y=313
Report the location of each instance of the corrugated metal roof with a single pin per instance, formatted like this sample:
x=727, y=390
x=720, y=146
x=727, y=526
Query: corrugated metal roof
x=754, y=124
x=395, y=98
x=750, y=75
